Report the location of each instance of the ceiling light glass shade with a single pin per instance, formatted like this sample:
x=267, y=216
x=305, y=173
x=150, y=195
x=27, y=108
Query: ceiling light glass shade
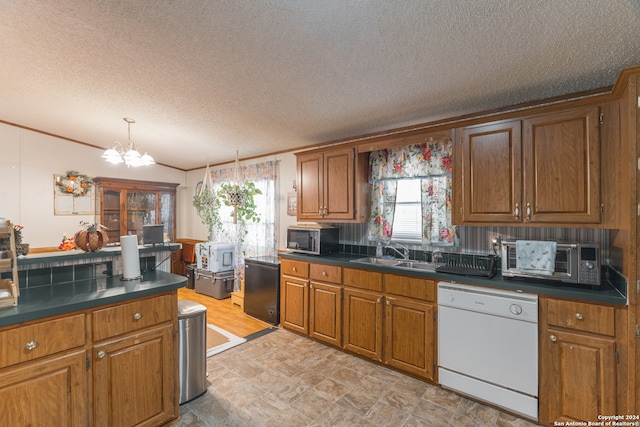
x=133, y=158
x=112, y=156
x=147, y=160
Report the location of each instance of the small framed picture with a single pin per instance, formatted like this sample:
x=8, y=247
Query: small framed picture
x=292, y=203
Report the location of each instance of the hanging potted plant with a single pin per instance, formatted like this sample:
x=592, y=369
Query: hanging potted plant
x=207, y=207
x=241, y=198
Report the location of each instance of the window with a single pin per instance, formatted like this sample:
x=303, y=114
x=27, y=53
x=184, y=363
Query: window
x=407, y=221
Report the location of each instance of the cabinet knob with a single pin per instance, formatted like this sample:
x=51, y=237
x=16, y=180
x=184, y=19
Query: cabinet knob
x=31, y=345
x=101, y=354
x=579, y=316
x=553, y=338
x=388, y=302
x=295, y=270
x=516, y=212
x=137, y=316
x=528, y=211
x=378, y=300
x=310, y=286
x=324, y=273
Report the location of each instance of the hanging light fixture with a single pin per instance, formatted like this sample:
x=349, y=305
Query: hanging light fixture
x=127, y=153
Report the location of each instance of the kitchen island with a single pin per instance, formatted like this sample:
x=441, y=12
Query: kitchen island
x=93, y=351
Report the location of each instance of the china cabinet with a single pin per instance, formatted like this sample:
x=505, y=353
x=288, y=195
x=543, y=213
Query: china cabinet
x=124, y=206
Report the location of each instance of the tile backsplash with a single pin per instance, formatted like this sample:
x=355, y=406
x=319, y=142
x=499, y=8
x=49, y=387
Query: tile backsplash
x=477, y=239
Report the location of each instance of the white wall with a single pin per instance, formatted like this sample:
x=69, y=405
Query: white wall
x=28, y=162
x=285, y=175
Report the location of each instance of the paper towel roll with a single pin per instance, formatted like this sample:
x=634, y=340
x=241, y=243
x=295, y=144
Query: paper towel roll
x=130, y=257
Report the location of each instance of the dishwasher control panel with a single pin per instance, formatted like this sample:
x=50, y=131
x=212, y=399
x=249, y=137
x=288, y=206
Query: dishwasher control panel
x=495, y=302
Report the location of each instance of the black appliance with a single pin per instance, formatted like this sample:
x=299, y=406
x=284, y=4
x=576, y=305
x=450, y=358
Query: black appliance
x=153, y=234
x=262, y=288
x=313, y=239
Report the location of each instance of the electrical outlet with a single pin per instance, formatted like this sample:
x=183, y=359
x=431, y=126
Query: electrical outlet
x=494, y=241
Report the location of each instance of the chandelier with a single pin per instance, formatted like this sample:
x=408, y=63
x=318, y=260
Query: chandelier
x=127, y=153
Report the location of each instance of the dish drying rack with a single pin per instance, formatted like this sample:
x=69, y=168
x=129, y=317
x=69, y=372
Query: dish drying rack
x=468, y=264
x=9, y=290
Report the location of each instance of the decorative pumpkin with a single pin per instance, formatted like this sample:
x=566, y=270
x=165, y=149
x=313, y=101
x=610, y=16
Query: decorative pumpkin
x=92, y=238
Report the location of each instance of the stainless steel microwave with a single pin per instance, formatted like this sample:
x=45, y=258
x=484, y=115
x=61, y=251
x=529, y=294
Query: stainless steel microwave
x=577, y=263
x=313, y=239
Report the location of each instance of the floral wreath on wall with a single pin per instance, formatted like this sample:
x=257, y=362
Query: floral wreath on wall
x=74, y=183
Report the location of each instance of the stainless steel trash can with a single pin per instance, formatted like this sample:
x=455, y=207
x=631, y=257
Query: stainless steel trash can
x=192, y=353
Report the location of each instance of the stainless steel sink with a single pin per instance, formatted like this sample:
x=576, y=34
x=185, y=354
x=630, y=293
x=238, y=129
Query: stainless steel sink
x=399, y=263
x=376, y=261
x=418, y=265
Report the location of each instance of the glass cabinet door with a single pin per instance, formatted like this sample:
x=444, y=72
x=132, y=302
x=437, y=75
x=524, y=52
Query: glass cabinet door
x=141, y=210
x=167, y=212
x=111, y=214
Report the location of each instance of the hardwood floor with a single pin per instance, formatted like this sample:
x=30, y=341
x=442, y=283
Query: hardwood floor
x=224, y=314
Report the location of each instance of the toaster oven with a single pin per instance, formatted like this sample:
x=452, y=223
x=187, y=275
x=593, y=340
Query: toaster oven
x=577, y=263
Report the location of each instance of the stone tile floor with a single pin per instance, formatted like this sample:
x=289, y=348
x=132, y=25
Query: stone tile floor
x=282, y=379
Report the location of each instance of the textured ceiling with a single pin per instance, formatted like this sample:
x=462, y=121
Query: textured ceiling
x=203, y=78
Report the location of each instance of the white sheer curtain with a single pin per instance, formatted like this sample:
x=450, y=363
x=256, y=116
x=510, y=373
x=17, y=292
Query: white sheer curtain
x=259, y=238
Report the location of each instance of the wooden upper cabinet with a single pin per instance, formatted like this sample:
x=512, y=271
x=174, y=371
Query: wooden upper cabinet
x=491, y=172
x=541, y=170
x=332, y=186
x=562, y=167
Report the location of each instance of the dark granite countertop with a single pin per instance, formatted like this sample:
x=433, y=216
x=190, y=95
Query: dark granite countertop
x=109, y=251
x=44, y=301
x=612, y=291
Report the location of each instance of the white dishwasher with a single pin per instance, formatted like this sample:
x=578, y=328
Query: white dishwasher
x=488, y=345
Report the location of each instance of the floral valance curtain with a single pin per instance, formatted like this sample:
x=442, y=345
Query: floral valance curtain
x=253, y=172
x=431, y=163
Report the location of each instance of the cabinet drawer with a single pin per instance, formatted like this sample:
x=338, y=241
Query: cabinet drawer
x=41, y=339
x=325, y=273
x=294, y=268
x=363, y=279
x=118, y=320
x=412, y=287
x=581, y=316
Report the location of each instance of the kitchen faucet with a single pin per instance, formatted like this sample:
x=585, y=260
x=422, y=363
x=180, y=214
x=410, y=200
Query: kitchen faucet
x=404, y=253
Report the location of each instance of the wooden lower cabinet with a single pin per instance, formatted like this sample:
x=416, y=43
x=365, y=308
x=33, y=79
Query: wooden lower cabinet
x=362, y=326
x=49, y=391
x=294, y=304
x=110, y=366
x=577, y=367
x=133, y=379
x=325, y=312
x=410, y=336
x=579, y=379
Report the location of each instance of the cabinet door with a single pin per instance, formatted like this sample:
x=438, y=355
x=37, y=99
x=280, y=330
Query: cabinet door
x=135, y=380
x=51, y=391
x=491, y=173
x=110, y=208
x=578, y=378
x=325, y=313
x=310, y=186
x=362, y=329
x=294, y=304
x=142, y=207
x=339, y=185
x=410, y=336
x=562, y=167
